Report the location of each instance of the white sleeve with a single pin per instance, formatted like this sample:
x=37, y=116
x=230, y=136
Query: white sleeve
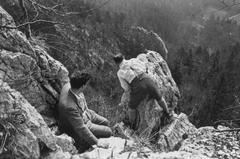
x=123, y=82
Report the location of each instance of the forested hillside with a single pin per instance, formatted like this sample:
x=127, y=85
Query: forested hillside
x=202, y=38
x=203, y=42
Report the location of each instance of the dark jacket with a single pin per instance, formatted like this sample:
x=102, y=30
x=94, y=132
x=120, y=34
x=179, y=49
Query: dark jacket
x=73, y=118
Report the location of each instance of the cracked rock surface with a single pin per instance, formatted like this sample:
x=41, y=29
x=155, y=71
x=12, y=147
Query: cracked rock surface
x=28, y=68
x=213, y=144
x=30, y=81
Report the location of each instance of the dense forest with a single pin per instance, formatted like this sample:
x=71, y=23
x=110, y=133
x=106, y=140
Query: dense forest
x=202, y=38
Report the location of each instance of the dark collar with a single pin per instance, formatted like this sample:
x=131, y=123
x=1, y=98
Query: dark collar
x=75, y=99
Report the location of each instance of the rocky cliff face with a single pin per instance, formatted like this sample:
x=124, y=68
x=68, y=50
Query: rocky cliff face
x=30, y=84
x=28, y=68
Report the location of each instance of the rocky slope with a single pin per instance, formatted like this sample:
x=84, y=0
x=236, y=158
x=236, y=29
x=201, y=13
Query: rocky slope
x=30, y=82
x=204, y=143
x=27, y=68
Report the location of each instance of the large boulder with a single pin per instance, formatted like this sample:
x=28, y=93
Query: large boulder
x=23, y=125
x=28, y=68
x=66, y=143
x=171, y=136
x=149, y=110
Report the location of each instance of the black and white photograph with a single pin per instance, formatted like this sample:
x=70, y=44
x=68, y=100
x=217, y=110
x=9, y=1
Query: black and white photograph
x=119, y=79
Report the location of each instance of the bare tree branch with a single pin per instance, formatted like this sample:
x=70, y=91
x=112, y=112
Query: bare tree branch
x=223, y=2
x=237, y=106
x=27, y=23
x=230, y=120
x=42, y=7
x=38, y=6
x=25, y=12
x=228, y=5
x=37, y=12
x=57, y=5
x=229, y=130
x=53, y=8
x=97, y=7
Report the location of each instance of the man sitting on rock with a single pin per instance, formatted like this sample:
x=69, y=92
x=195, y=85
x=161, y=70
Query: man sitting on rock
x=76, y=120
x=133, y=77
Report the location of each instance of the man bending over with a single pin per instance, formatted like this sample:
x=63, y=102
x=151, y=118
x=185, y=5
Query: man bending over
x=133, y=77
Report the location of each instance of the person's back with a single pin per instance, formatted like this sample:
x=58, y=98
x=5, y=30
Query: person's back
x=133, y=66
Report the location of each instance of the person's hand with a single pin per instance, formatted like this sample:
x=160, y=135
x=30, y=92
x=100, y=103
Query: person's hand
x=102, y=144
x=94, y=146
